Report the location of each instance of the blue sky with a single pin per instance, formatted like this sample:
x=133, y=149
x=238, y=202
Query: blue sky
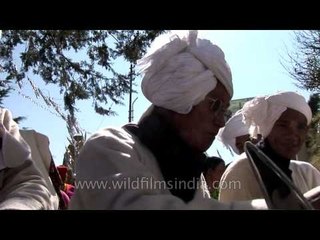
x=255, y=60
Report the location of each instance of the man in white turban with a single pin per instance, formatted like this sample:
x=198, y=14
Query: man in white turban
x=235, y=133
x=282, y=119
x=189, y=84
x=22, y=187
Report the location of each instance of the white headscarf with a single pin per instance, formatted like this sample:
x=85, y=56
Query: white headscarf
x=182, y=72
x=234, y=127
x=262, y=112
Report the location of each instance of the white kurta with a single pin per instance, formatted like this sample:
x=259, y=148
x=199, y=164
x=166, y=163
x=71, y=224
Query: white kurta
x=21, y=184
x=115, y=171
x=41, y=156
x=245, y=186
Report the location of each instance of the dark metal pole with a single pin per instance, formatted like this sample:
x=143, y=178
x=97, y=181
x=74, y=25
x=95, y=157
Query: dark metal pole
x=130, y=94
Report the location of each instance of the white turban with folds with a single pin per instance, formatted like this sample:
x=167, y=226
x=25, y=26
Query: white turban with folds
x=182, y=72
x=234, y=127
x=262, y=112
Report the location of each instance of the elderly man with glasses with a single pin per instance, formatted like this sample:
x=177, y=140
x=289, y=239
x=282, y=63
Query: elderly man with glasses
x=157, y=163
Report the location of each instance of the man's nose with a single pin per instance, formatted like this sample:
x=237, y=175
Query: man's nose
x=293, y=134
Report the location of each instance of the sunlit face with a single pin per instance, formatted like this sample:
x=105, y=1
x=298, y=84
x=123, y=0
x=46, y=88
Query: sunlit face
x=288, y=133
x=199, y=127
x=240, y=140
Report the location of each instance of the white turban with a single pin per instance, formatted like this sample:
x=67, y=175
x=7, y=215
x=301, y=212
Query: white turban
x=14, y=149
x=182, y=72
x=262, y=112
x=234, y=127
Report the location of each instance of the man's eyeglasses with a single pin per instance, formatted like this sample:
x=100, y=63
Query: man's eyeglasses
x=218, y=108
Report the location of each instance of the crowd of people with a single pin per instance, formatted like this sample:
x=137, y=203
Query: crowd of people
x=189, y=85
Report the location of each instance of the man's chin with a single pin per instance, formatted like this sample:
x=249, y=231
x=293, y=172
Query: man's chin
x=208, y=145
x=290, y=155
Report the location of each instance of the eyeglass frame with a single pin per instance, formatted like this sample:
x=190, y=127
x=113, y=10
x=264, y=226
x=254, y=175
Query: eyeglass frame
x=220, y=108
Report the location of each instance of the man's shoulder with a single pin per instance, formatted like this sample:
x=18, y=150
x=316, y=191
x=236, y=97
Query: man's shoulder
x=111, y=137
x=238, y=167
x=240, y=161
x=301, y=165
x=297, y=163
x=116, y=133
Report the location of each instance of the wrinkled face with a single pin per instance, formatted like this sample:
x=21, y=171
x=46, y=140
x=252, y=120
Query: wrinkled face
x=240, y=140
x=199, y=127
x=288, y=133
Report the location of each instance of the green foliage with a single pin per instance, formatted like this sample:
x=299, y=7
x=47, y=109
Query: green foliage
x=18, y=120
x=313, y=141
x=215, y=193
x=313, y=137
x=79, y=62
x=314, y=103
x=315, y=161
x=305, y=69
x=4, y=91
x=305, y=62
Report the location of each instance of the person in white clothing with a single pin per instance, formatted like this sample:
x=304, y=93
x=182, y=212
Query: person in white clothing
x=282, y=119
x=212, y=173
x=22, y=187
x=235, y=133
x=157, y=163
